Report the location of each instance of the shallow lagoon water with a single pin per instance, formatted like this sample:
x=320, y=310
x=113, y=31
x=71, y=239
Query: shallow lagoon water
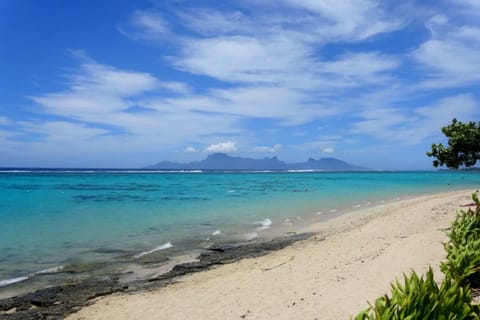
x=59, y=225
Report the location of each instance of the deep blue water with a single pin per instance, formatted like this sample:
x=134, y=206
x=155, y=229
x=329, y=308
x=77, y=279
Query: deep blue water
x=52, y=219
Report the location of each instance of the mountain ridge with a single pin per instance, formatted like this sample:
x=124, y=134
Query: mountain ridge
x=223, y=161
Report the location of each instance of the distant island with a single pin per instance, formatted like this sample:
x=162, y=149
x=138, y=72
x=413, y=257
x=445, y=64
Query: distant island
x=222, y=161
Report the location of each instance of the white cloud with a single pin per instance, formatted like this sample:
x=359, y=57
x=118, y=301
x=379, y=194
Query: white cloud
x=272, y=65
x=470, y=3
x=381, y=121
x=5, y=121
x=451, y=57
x=324, y=143
x=278, y=77
x=175, y=86
x=461, y=106
x=278, y=44
x=100, y=78
x=243, y=58
x=288, y=105
x=467, y=7
x=101, y=96
x=439, y=20
x=272, y=149
x=63, y=132
x=403, y=126
x=350, y=19
x=270, y=58
x=280, y=60
x=360, y=67
x=146, y=25
x=97, y=89
x=210, y=22
x=227, y=146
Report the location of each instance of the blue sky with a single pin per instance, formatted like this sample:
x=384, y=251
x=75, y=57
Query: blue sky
x=129, y=83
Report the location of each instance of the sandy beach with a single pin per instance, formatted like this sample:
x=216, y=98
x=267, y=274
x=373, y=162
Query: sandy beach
x=352, y=260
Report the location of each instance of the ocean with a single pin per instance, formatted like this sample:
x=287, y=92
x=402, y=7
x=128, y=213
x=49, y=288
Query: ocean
x=60, y=226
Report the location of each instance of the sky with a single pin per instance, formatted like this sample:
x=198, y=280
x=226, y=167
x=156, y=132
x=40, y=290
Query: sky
x=129, y=83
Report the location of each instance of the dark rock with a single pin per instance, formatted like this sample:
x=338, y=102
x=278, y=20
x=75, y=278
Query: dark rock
x=230, y=253
x=110, y=251
x=58, y=302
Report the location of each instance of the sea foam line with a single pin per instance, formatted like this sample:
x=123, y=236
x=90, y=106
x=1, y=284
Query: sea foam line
x=264, y=224
x=159, y=248
x=7, y=282
x=56, y=269
x=250, y=236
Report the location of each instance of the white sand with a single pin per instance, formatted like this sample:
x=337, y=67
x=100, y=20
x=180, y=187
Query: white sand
x=364, y=251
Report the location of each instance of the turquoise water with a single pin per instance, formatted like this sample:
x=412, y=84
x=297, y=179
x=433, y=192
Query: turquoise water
x=53, y=222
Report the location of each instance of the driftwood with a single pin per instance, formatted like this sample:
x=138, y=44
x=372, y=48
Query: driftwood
x=279, y=265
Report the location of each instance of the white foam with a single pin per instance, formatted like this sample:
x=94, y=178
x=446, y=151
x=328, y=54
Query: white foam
x=49, y=270
x=333, y=210
x=357, y=206
x=159, y=248
x=6, y=282
x=216, y=233
x=250, y=236
x=319, y=212
x=264, y=224
x=231, y=191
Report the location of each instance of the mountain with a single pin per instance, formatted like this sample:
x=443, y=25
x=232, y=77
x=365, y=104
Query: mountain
x=222, y=161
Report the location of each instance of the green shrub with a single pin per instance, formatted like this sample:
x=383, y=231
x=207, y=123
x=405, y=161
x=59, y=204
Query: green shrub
x=463, y=248
x=420, y=298
x=463, y=262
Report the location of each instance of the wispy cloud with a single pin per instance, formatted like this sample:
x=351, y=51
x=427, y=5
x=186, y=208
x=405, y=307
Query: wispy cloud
x=146, y=25
x=451, y=57
x=113, y=100
x=350, y=20
x=97, y=89
x=403, y=126
x=5, y=121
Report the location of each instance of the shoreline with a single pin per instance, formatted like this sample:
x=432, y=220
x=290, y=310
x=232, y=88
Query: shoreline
x=223, y=263
x=60, y=301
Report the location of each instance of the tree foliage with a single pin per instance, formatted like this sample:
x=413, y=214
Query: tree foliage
x=463, y=145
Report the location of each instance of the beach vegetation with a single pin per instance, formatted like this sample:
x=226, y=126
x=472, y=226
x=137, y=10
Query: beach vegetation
x=463, y=247
x=422, y=298
x=463, y=147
